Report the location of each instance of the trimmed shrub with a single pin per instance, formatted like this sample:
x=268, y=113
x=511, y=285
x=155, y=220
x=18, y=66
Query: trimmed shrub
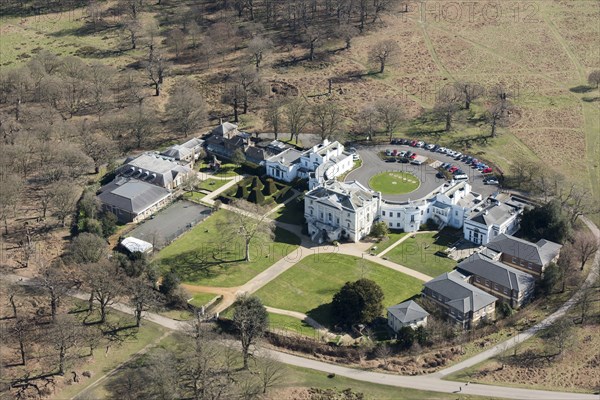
x=256, y=196
x=242, y=192
x=270, y=187
x=256, y=184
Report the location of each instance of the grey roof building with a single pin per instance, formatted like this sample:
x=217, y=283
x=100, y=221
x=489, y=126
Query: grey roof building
x=530, y=257
x=460, y=300
x=155, y=169
x=408, y=313
x=510, y=284
x=132, y=200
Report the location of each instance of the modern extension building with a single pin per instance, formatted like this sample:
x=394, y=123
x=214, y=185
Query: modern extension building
x=459, y=300
x=156, y=170
x=523, y=255
x=509, y=284
x=492, y=219
x=408, y=313
x=132, y=200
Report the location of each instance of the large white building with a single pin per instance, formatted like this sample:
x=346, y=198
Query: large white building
x=488, y=221
x=340, y=210
x=446, y=206
x=318, y=164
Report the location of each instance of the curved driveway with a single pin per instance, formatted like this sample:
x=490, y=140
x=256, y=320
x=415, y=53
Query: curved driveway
x=373, y=164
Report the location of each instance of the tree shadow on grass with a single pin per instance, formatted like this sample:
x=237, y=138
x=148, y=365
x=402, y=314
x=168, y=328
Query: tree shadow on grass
x=581, y=89
x=201, y=264
x=323, y=314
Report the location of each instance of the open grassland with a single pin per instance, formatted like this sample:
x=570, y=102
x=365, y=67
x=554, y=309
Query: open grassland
x=309, y=286
x=419, y=253
x=202, y=256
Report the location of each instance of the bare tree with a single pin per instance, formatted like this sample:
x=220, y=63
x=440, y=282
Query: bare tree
x=594, y=78
x=156, y=69
x=274, y=116
x=9, y=196
x=142, y=297
x=296, y=113
x=139, y=123
x=105, y=285
x=311, y=36
x=446, y=105
x=55, y=280
x=249, y=224
x=469, y=92
x=133, y=29
x=559, y=334
x=64, y=335
x=347, y=32
x=234, y=95
x=390, y=113
x=566, y=264
x=100, y=149
x=326, y=117
x=367, y=120
x=382, y=52
x=251, y=319
x=176, y=40
x=64, y=199
x=186, y=107
x=585, y=246
x=270, y=371
x=258, y=48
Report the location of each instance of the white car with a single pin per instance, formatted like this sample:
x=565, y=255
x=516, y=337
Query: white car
x=441, y=150
x=430, y=146
x=388, y=152
x=355, y=156
x=417, y=162
x=402, y=154
x=457, y=155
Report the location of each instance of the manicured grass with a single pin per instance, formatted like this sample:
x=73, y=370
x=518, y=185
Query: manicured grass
x=226, y=170
x=200, y=299
x=285, y=322
x=212, y=184
x=195, y=196
x=357, y=164
x=394, y=182
x=201, y=257
x=309, y=286
x=419, y=253
x=392, y=238
x=179, y=315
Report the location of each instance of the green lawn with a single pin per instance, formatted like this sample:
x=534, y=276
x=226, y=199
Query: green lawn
x=309, y=286
x=392, y=238
x=419, y=253
x=355, y=165
x=201, y=257
x=195, y=196
x=226, y=170
x=394, y=182
x=200, y=299
x=212, y=184
x=285, y=322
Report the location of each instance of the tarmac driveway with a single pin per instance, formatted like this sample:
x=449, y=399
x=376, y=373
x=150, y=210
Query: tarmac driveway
x=170, y=223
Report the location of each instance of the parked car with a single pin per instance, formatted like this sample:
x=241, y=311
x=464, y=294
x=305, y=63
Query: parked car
x=447, y=167
x=440, y=175
x=430, y=146
x=420, y=143
x=351, y=149
x=413, y=143
x=395, y=152
x=394, y=141
x=468, y=160
x=487, y=170
x=401, y=154
x=460, y=177
x=355, y=156
x=403, y=160
x=413, y=156
x=491, y=180
x=404, y=141
x=454, y=168
x=417, y=162
x=435, y=147
x=388, y=152
x=458, y=172
x=408, y=154
x=458, y=155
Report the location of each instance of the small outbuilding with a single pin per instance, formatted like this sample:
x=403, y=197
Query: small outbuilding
x=135, y=245
x=408, y=313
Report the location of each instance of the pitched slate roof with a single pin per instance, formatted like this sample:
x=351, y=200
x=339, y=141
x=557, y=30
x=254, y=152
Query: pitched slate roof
x=502, y=274
x=178, y=152
x=540, y=253
x=407, y=312
x=494, y=214
x=224, y=128
x=462, y=296
x=349, y=195
x=131, y=195
x=287, y=157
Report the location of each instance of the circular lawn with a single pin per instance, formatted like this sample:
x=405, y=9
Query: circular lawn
x=394, y=182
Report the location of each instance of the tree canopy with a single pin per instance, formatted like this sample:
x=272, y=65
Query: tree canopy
x=358, y=302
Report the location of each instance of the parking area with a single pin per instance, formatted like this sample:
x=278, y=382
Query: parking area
x=170, y=223
x=373, y=164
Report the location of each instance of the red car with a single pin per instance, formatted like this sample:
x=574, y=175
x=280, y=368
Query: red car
x=487, y=170
x=395, y=152
x=413, y=156
x=413, y=143
x=451, y=170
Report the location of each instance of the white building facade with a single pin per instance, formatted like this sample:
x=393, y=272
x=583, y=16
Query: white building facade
x=320, y=163
x=489, y=221
x=340, y=211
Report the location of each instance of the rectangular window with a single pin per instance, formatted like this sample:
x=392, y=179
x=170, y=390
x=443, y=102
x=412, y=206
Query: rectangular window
x=412, y=218
x=329, y=216
x=456, y=212
x=398, y=215
x=383, y=213
x=398, y=225
x=337, y=220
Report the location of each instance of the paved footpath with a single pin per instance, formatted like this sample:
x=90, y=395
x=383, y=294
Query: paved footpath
x=432, y=382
